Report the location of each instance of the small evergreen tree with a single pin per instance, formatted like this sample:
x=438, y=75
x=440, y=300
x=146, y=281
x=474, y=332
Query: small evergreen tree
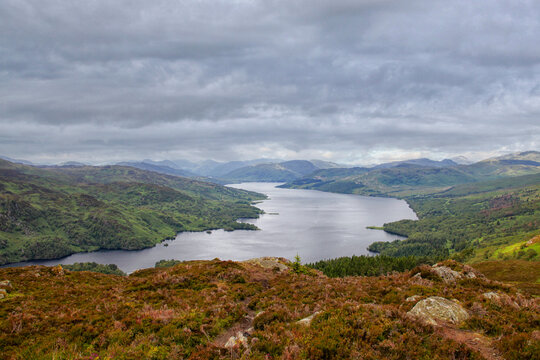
x=297, y=265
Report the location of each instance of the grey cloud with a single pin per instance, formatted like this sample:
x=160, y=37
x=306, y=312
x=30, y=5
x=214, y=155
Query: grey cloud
x=223, y=79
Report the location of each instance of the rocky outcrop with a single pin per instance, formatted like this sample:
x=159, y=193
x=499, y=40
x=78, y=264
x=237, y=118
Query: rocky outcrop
x=307, y=320
x=413, y=298
x=272, y=263
x=5, y=286
x=500, y=299
x=235, y=341
x=449, y=272
x=436, y=310
x=533, y=241
x=417, y=279
x=448, y=275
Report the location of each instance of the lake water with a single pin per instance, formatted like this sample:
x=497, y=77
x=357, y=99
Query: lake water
x=314, y=224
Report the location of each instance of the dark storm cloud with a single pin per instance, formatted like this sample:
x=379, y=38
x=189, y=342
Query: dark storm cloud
x=345, y=80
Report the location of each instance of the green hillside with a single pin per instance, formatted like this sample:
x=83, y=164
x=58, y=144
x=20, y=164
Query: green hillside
x=285, y=171
x=53, y=212
x=405, y=180
x=478, y=221
x=489, y=210
x=396, y=181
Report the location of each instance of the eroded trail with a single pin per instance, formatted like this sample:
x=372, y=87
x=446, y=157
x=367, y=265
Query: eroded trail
x=474, y=341
x=258, y=269
x=244, y=327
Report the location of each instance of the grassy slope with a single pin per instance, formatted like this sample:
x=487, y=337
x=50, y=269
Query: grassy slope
x=184, y=312
x=525, y=275
x=53, y=212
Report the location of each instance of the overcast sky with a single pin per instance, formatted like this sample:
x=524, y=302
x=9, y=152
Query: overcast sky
x=355, y=81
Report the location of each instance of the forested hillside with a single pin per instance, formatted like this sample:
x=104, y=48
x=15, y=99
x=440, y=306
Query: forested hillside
x=498, y=219
x=489, y=210
x=53, y=212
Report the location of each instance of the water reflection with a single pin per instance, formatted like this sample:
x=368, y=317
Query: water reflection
x=314, y=224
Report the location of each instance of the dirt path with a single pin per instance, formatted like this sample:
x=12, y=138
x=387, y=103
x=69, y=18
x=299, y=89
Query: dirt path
x=241, y=326
x=261, y=275
x=474, y=341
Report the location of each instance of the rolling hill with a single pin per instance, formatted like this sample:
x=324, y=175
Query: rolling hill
x=163, y=169
x=406, y=179
x=489, y=220
x=284, y=171
x=56, y=211
x=420, y=162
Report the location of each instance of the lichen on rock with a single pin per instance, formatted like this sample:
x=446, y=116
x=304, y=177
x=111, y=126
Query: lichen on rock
x=436, y=310
x=448, y=275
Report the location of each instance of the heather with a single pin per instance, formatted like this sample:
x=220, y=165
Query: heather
x=189, y=310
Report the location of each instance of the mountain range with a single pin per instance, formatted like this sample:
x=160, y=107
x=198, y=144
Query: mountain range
x=410, y=177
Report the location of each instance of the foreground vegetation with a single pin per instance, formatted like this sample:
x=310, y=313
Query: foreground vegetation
x=53, y=212
x=189, y=311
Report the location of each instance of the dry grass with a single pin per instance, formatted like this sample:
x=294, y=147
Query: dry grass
x=525, y=275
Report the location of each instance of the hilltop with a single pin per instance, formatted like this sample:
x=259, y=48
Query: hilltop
x=278, y=172
x=263, y=309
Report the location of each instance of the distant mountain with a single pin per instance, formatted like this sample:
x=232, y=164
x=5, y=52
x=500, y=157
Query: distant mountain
x=414, y=177
x=162, y=169
x=167, y=163
x=224, y=168
x=181, y=164
x=284, y=171
x=419, y=162
x=516, y=164
x=204, y=168
x=17, y=161
x=525, y=155
x=461, y=160
x=72, y=163
x=321, y=164
x=215, y=169
x=220, y=169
